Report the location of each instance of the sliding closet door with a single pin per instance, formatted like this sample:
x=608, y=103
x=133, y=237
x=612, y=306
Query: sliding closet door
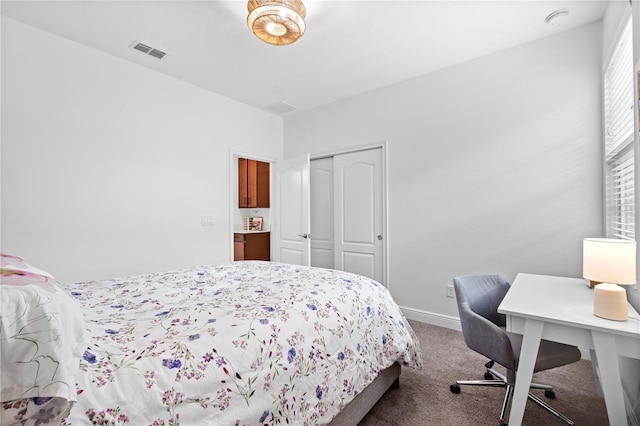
x=358, y=189
x=322, y=213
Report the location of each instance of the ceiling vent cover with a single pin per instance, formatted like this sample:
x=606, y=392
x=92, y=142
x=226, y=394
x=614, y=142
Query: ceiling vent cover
x=159, y=54
x=280, y=108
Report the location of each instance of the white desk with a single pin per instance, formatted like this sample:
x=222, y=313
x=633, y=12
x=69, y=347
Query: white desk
x=561, y=309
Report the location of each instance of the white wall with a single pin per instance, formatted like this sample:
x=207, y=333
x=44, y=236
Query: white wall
x=494, y=164
x=107, y=166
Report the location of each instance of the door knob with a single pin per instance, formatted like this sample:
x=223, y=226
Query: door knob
x=304, y=235
x=379, y=237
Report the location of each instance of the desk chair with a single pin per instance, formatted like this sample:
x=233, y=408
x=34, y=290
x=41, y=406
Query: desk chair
x=484, y=331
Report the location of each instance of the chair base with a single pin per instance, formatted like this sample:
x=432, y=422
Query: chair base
x=503, y=383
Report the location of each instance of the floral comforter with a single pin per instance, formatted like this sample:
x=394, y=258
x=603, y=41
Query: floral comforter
x=243, y=343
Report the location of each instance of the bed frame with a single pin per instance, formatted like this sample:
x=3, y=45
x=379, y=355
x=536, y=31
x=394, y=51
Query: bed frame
x=355, y=410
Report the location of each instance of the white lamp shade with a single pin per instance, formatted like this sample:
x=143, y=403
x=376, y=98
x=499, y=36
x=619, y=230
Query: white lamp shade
x=608, y=260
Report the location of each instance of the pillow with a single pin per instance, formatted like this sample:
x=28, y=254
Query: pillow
x=42, y=334
x=13, y=267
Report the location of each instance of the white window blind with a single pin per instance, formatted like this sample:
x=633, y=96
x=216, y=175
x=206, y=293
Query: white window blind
x=619, y=135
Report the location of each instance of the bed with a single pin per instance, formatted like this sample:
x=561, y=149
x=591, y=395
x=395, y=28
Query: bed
x=242, y=343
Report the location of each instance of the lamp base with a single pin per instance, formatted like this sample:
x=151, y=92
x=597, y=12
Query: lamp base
x=610, y=302
x=592, y=284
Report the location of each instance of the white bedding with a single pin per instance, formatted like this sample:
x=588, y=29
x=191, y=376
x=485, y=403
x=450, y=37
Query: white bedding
x=244, y=343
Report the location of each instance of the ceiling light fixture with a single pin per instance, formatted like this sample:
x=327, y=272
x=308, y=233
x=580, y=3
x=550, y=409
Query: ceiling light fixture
x=277, y=22
x=557, y=17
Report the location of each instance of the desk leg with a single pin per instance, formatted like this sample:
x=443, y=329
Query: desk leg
x=609, y=368
x=528, y=354
x=594, y=368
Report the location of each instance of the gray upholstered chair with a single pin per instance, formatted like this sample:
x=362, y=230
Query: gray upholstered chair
x=483, y=328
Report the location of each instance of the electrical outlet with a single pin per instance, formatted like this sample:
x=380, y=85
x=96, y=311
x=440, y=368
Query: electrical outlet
x=450, y=291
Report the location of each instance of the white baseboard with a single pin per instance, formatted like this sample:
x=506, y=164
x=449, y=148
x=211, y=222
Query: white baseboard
x=586, y=354
x=448, y=321
x=432, y=318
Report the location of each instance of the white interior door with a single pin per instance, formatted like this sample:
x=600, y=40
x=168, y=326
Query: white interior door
x=358, y=189
x=291, y=225
x=322, y=252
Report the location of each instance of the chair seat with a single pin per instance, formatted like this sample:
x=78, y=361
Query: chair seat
x=550, y=354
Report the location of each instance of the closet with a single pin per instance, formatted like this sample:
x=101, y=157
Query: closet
x=347, y=217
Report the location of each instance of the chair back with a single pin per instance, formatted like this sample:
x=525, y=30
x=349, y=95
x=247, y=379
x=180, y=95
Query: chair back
x=478, y=298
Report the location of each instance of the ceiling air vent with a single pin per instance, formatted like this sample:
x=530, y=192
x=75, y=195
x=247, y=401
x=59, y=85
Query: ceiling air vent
x=159, y=54
x=280, y=108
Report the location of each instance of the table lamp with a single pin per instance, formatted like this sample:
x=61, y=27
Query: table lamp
x=607, y=262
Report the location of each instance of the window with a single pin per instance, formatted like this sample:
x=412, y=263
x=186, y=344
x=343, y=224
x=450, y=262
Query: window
x=619, y=137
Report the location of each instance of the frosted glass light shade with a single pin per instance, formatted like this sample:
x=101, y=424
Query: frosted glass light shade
x=609, y=260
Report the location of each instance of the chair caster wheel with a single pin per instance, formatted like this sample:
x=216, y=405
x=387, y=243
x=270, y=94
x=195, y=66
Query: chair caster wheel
x=550, y=394
x=488, y=376
x=455, y=388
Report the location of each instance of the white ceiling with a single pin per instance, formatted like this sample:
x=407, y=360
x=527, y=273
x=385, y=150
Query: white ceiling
x=350, y=47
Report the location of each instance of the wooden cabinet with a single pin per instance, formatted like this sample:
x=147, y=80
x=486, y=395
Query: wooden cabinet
x=253, y=183
x=252, y=246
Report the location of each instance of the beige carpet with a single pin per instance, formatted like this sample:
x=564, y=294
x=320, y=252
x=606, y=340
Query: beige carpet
x=424, y=397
